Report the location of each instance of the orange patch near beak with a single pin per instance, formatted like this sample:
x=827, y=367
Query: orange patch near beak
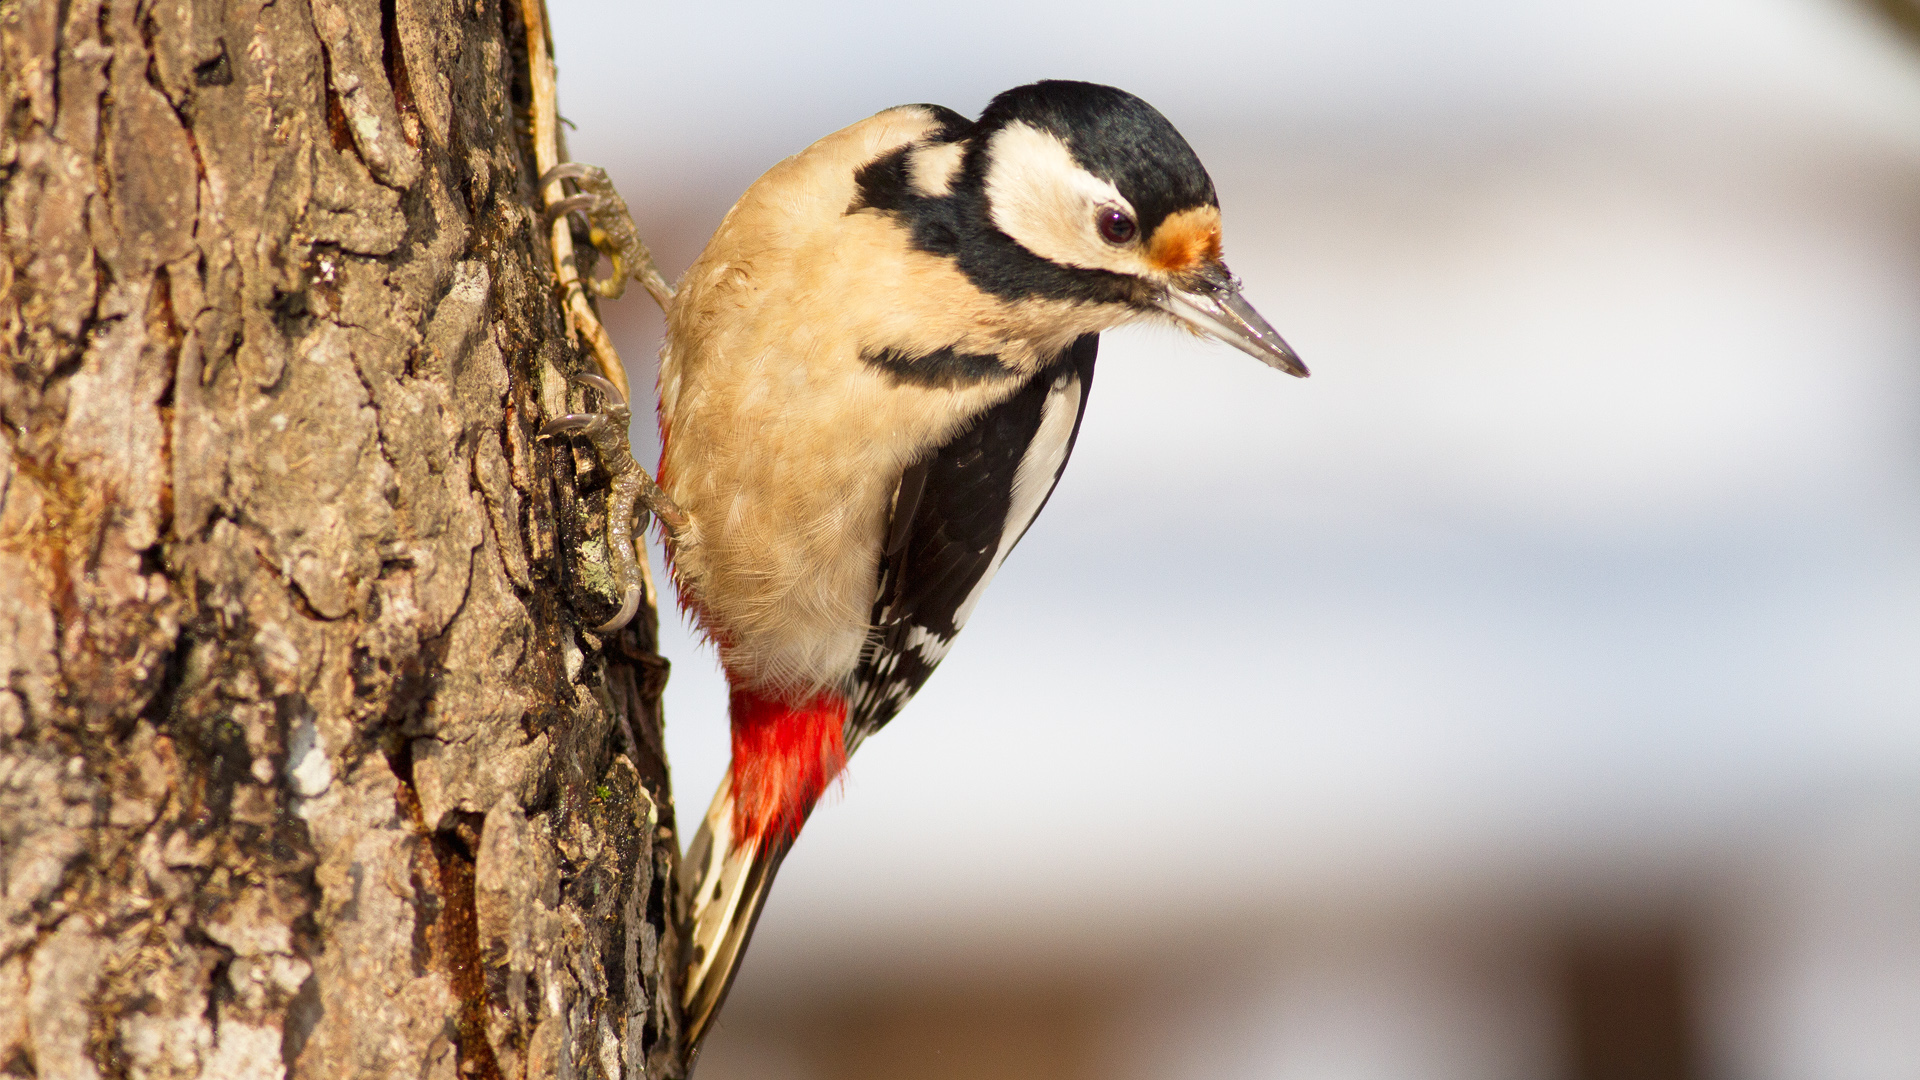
x=1185, y=240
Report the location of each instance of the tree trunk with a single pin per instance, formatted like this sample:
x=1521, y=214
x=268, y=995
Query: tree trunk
x=307, y=766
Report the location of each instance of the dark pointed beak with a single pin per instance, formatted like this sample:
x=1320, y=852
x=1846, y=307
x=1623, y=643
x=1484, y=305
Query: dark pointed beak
x=1210, y=303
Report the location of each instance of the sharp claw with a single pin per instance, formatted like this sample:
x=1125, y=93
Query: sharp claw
x=628, y=609
x=567, y=206
x=567, y=170
x=602, y=384
x=560, y=425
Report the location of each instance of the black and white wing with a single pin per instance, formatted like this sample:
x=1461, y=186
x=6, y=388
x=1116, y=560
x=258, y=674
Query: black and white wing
x=956, y=515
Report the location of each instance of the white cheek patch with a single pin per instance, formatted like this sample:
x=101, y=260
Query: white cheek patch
x=931, y=168
x=1037, y=194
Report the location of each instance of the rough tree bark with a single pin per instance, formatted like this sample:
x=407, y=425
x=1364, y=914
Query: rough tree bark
x=307, y=765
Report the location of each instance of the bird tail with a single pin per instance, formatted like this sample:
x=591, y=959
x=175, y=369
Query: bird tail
x=785, y=754
x=723, y=883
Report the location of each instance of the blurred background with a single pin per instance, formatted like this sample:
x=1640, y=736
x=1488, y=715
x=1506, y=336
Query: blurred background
x=1534, y=693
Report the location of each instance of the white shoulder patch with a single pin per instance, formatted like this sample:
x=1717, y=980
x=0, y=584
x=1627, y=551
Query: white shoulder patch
x=1033, y=481
x=931, y=168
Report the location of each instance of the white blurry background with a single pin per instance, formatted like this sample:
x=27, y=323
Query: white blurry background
x=1317, y=725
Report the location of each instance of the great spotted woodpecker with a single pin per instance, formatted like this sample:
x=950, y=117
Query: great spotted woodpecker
x=872, y=379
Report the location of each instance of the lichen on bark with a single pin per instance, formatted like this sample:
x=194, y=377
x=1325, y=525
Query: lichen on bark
x=307, y=767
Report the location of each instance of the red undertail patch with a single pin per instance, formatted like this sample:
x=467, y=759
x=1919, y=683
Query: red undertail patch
x=784, y=756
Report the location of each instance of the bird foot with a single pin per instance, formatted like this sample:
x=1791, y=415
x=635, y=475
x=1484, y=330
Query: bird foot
x=611, y=230
x=633, y=491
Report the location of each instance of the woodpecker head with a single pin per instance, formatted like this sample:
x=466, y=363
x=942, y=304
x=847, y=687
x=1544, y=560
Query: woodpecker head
x=1072, y=191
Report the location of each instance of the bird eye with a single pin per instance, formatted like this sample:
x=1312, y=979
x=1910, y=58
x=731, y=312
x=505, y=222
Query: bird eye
x=1115, y=226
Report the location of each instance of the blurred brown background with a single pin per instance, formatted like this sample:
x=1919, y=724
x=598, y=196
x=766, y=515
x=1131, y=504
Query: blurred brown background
x=1530, y=694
